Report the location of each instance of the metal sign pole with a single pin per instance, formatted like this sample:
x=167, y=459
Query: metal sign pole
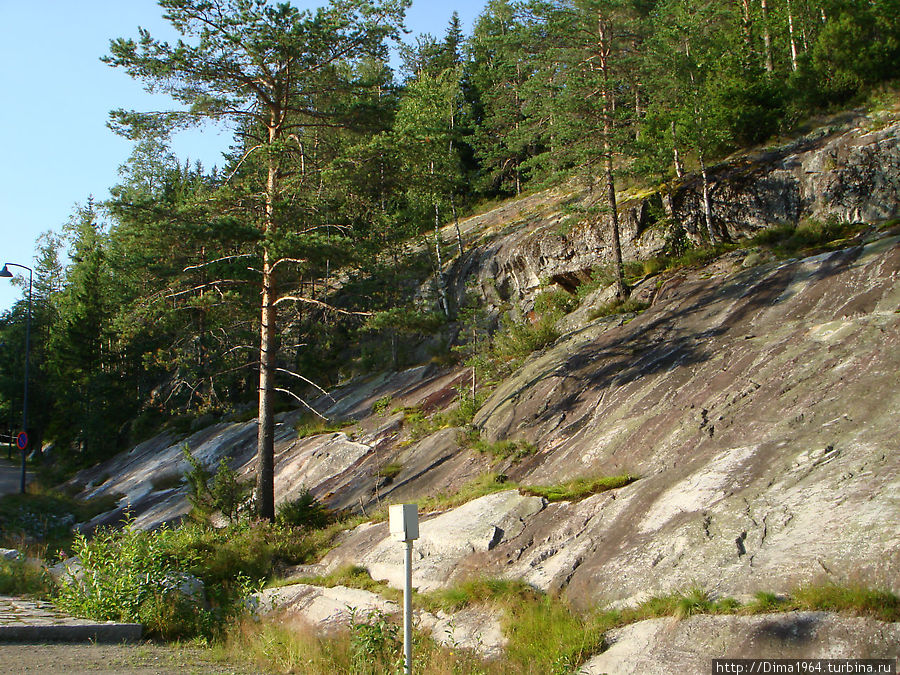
x=404, y=526
x=407, y=612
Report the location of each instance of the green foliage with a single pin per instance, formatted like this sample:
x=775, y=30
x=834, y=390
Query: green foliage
x=807, y=238
x=222, y=491
x=375, y=644
x=485, y=484
x=46, y=516
x=421, y=426
x=618, y=307
x=517, y=341
x=512, y=450
x=20, y=577
x=578, y=489
x=133, y=576
x=382, y=405
x=858, y=600
x=314, y=425
x=390, y=471
x=554, y=304
x=303, y=511
x=476, y=591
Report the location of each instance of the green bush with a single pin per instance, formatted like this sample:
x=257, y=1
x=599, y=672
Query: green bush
x=519, y=340
x=135, y=576
x=382, y=405
x=390, y=471
x=375, y=645
x=222, y=491
x=314, y=426
x=554, y=303
x=304, y=511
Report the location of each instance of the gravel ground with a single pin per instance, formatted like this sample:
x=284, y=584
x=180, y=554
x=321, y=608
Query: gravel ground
x=128, y=659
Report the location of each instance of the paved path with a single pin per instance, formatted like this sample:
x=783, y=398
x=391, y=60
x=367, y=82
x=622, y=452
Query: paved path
x=11, y=476
x=27, y=620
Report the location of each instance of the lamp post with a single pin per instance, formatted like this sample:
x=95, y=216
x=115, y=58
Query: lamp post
x=7, y=274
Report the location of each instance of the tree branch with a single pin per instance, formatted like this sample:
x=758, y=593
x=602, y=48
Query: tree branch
x=290, y=393
x=310, y=301
x=212, y=262
x=310, y=382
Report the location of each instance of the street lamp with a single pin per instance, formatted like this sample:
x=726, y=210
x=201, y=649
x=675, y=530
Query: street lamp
x=7, y=274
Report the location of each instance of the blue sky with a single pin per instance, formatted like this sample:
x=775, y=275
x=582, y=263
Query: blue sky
x=55, y=148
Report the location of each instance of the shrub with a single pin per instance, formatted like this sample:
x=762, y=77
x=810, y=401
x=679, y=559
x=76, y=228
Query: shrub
x=375, y=645
x=314, y=426
x=222, y=491
x=382, y=405
x=304, y=511
x=618, y=307
x=519, y=340
x=554, y=303
x=136, y=576
x=19, y=577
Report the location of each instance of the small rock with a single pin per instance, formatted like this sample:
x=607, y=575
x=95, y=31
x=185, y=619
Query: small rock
x=9, y=554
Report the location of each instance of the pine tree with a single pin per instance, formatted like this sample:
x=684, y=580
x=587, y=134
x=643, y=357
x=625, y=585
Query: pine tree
x=280, y=74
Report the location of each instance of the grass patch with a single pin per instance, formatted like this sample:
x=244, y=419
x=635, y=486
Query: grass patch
x=421, y=426
x=46, y=515
x=369, y=645
x=491, y=482
x=545, y=635
x=313, y=426
x=353, y=576
x=578, y=489
x=505, y=449
x=485, y=484
x=810, y=238
x=855, y=600
x=382, y=405
x=20, y=577
x=481, y=590
x=618, y=307
x=390, y=471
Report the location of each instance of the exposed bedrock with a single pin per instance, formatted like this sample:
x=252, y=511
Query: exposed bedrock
x=849, y=171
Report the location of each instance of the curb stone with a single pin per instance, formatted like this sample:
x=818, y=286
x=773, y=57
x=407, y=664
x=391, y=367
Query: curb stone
x=24, y=620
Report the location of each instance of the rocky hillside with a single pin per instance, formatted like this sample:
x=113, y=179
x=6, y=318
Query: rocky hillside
x=755, y=401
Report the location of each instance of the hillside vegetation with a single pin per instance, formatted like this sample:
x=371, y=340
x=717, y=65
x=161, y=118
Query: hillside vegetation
x=608, y=288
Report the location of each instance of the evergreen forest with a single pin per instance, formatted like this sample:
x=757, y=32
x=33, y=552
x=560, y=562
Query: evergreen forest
x=316, y=251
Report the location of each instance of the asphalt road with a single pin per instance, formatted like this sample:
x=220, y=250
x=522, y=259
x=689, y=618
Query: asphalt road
x=10, y=476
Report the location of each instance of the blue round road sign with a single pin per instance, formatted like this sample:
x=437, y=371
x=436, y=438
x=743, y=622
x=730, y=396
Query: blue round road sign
x=22, y=440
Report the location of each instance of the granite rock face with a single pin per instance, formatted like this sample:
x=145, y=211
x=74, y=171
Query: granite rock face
x=849, y=171
x=663, y=646
x=757, y=411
